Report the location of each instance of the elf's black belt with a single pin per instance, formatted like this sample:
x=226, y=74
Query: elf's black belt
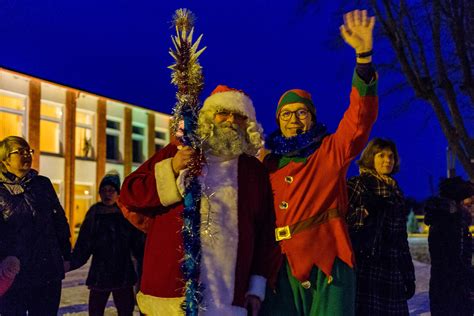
x=286, y=232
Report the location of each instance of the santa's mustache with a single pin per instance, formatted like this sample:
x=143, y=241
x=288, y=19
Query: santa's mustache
x=222, y=125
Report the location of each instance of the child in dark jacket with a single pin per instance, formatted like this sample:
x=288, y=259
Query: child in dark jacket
x=111, y=240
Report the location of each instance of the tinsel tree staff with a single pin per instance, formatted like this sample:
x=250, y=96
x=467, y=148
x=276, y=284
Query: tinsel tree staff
x=187, y=77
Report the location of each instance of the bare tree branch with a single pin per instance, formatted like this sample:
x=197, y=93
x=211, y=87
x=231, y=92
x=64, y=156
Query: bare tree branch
x=433, y=46
x=455, y=20
x=444, y=81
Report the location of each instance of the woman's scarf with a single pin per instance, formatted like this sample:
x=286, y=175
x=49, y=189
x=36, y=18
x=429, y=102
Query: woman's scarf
x=16, y=185
x=384, y=178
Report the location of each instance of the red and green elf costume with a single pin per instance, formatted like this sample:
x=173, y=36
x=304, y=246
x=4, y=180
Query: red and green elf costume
x=316, y=262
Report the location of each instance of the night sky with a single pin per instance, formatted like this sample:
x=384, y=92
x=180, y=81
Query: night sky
x=119, y=49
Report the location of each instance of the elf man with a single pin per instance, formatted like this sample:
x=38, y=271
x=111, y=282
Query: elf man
x=307, y=171
x=236, y=205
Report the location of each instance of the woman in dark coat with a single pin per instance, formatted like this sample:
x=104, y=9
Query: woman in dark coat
x=377, y=219
x=111, y=240
x=450, y=244
x=34, y=229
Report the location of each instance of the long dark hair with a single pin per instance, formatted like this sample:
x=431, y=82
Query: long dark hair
x=375, y=146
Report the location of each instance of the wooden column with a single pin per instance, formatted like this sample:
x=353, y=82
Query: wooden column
x=101, y=149
x=151, y=134
x=127, y=141
x=34, y=116
x=69, y=156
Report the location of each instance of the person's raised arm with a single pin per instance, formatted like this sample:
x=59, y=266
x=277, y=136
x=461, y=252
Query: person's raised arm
x=353, y=131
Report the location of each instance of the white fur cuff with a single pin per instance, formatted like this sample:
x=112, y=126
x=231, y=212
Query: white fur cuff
x=166, y=183
x=158, y=306
x=257, y=286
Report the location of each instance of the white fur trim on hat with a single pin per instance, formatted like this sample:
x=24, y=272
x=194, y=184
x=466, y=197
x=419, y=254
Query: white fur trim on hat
x=232, y=100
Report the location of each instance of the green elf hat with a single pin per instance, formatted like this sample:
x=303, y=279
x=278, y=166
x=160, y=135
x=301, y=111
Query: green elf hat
x=296, y=96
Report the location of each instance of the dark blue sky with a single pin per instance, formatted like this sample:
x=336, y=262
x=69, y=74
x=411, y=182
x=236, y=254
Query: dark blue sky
x=120, y=49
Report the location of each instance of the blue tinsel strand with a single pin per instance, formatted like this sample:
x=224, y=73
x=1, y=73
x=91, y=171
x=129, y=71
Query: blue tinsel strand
x=192, y=248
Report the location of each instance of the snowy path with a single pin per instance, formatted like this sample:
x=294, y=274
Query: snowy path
x=75, y=293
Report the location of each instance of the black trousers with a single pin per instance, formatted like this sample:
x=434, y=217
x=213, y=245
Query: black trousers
x=449, y=292
x=124, y=300
x=37, y=300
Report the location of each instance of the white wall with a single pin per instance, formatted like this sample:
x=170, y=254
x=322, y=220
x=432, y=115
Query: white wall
x=53, y=93
x=115, y=109
x=14, y=83
x=87, y=102
x=53, y=168
x=162, y=121
x=115, y=166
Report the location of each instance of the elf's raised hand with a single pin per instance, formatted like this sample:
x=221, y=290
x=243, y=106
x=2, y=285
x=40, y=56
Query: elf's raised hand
x=357, y=31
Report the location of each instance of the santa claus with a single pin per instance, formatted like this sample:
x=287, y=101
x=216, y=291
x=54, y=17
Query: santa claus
x=236, y=213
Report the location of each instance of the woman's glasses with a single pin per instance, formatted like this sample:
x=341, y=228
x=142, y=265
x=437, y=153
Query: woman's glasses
x=301, y=114
x=22, y=152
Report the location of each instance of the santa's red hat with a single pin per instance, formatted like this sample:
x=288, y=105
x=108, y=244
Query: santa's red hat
x=225, y=98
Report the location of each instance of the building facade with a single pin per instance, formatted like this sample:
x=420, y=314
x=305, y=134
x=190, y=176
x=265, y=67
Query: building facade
x=77, y=136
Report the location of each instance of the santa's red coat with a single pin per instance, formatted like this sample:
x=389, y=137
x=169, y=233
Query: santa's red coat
x=161, y=276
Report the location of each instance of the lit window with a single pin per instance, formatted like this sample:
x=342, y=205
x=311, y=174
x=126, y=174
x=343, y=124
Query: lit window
x=138, y=139
x=113, y=140
x=82, y=202
x=12, y=112
x=50, y=126
x=161, y=138
x=57, y=188
x=84, y=127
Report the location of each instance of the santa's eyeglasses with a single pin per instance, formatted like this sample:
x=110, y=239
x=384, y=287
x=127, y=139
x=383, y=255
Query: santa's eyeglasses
x=224, y=115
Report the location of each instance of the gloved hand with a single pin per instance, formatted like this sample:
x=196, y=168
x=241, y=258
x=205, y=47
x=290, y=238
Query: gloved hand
x=410, y=288
x=10, y=267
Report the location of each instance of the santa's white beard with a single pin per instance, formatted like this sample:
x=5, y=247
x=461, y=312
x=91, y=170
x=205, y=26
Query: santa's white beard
x=227, y=140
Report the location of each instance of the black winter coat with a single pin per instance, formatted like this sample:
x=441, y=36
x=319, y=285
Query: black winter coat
x=111, y=240
x=377, y=219
x=450, y=245
x=33, y=227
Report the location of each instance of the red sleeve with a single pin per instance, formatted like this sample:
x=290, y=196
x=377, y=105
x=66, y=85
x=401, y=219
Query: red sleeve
x=139, y=191
x=354, y=129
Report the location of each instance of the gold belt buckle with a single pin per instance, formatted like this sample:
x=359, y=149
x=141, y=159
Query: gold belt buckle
x=282, y=233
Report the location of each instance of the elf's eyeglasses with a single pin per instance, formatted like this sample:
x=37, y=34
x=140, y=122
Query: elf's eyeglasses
x=22, y=152
x=301, y=114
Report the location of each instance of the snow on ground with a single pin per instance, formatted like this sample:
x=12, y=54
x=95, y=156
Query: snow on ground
x=420, y=303
x=75, y=293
